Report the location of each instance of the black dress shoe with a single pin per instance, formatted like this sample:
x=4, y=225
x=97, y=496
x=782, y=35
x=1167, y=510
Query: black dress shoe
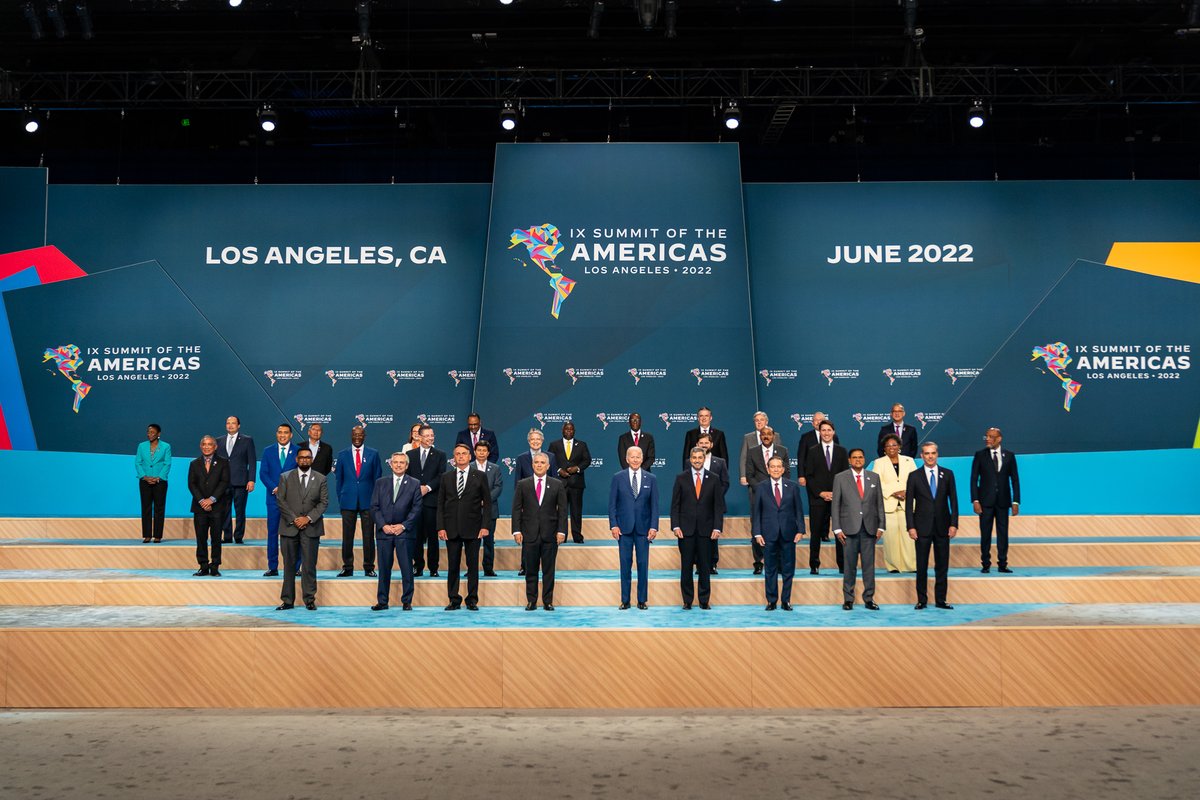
x=158, y=540
x=271, y=573
x=825, y=538
x=872, y=605
x=284, y=607
x=847, y=606
x=758, y=570
x=786, y=606
x=814, y=572
x=417, y=573
x=433, y=573
x=770, y=607
x=407, y=607
x=919, y=607
x=237, y=541
x=200, y=572
x=310, y=605
x=705, y=606
x=452, y=607
x=489, y=573
x=548, y=607
x=345, y=573
x=371, y=573
x=623, y=607
x=687, y=606
x=227, y=541
x=146, y=540
x=712, y=571
x=985, y=570
x=472, y=606
x=379, y=607
x=577, y=539
x=531, y=605
x=214, y=572
x=522, y=571
x=641, y=606
x=945, y=606
x=1004, y=569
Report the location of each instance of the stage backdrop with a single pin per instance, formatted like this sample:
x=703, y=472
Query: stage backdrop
x=615, y=282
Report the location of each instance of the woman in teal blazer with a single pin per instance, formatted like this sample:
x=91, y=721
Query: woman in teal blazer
x=153, y=464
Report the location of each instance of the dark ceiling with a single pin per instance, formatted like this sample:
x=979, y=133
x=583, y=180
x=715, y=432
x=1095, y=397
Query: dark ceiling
x=167, y=90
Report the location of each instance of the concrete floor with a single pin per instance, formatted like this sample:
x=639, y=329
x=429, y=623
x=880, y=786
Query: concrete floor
x=953, y=753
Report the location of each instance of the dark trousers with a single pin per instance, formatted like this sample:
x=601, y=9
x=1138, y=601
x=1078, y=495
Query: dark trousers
x=627, y=545
x=859, y=547
x=454, y=552
x=756, y=549
x=368, y=538
x=941, y=567
x=273, y=535
x=575, y=511
x=534, y=555
x=235, y=529
x=716, y=551
x=303, y=548
x=207, y=525
x=779, y=559
x=427, y=539
x=398, y=549
x=694, y=551
x=489, y=548
x=154, y=510
x=986, y=516
x=819, y=515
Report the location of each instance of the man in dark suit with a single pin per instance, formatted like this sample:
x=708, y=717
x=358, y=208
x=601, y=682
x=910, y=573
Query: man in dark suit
x=303, y=497
x=809, y=440
x=931, y=516
x=322, y=451
x=636, y=437
x=777, y=525
x=858, y=522
x=276, y=459
x=756, y=472
x=633, y=522
x=719, y=449
x=720, y=468
x=464, y=508
x=750, y=441
x=476, y=433
x=238, y=450
x=524, y=468
x=426, y=463
x=495, y=483
x=697, y=517
x=395, y=504
x=573, y=458
x=357, y=470
x=822, y=462
x=208, y=478
x=539, y=526
x=898, y=427
x=995, y=488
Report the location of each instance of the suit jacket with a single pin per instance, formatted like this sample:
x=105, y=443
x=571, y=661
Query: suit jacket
x=749, y=441
x=464, y=437
x=697, y=516
x=580, y=457
x=719, y=448
x=772, y=521
x=212, y=483
x=269, y=469
x=720, y=468
x=309, y=502
x=152, y=465
x=241, y=460
x=931, y=516
x=354, y=491
x=495, y=484
x=322, y=457
x=431, y=476
x=891, y=481
x=402, y=510
x=852, y=514
x=646, y=442
x=540, y=523
x=463, y=517
x=633, y=515
x=819, y=477
x=524, y=468
x=991, y=488
x=756, y=468
x=807, y=441
x=908, y=439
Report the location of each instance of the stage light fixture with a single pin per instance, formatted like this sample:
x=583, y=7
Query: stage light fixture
x=267, y=120
x=593, y=31
x=363, y=8
x=648, y=13
x=670, y=16
x=508, y=117
x=85, y=20
x=235, y=3
x=732, y=116
x=54, y=14
x=31, y=120
x=977, y=115
x=35, y=22
x=506, y=2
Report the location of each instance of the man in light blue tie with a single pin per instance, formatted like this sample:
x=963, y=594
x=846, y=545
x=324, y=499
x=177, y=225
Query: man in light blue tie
x=931, y=516
x=633, y=520
x=276, y=459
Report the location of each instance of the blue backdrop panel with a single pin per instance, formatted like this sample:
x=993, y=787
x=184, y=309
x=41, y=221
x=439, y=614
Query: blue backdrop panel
x=22, y=208
x=644, y=248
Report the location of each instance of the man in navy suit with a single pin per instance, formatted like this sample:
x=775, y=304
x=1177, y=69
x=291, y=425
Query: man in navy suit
x=539, y=526
x=690, y=439
x=426, y=463
x=720, y=467
x=633, y=521
x=476, y=433
x=931, y=516
x=824, y=460
x=524, y=467
x=276, y=460
x=777, y=524
x=995, y=488
x=491, y=473
x=697, y=516
x=573, y=458
x=395, y=504
x=238, y=450
x=356, y=471
x=899, y=428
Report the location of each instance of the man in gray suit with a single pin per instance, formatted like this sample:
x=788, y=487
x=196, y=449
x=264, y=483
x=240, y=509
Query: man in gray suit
x=755, y=472
x=303, y=497
x=491, y=473
x=858, y=522
x=749, y=441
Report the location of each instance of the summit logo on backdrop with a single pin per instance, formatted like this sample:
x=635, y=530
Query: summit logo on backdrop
x=542, y=245
x=1057, y=356
x=67, y=359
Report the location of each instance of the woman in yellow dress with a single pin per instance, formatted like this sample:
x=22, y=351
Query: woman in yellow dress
x=899, y=551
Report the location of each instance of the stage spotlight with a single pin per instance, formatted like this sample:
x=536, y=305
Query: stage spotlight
x=363, y=8
x=977, y=115
x=506, y=2
x=508, y=117
x=31, y=120
x=35, y=22
x=85, y=20
x=593, y=31
x=648, y=13
x=671, y=13
x=267, y=120
x=234, y=3
x=732, y=116
x=54, y=14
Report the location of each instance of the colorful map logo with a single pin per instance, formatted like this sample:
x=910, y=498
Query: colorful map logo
x=1058, y=357
x=541, y=242
x=67, y=359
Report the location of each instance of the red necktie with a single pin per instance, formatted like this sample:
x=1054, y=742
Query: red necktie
x=778, y=497
x=858, y=480
x=539, y=491
x=635, y=439
x=357, y=462
x=697, y=485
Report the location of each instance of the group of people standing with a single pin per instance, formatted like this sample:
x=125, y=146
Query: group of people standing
x=427, y=497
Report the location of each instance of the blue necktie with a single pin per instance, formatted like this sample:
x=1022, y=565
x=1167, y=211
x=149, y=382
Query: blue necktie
x=933, y=482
